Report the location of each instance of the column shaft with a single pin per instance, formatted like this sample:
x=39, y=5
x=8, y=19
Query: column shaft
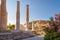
x=18, y=16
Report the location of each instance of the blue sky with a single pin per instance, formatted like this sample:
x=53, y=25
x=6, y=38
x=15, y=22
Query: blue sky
x=38, y=10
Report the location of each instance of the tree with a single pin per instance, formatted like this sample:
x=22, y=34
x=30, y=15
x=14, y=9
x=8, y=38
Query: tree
x=11, y=27
x=52, y=32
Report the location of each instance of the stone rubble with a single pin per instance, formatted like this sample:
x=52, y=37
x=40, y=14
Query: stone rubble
x=15, y=35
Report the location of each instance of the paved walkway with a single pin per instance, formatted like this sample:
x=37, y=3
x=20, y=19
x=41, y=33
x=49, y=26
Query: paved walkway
x=35, y=38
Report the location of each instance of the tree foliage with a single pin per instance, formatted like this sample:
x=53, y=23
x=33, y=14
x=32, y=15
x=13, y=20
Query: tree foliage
x=11, y=27
x=52, y=32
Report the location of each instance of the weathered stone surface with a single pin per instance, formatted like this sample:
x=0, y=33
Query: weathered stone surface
x=27, y=17
x=3, y=15
x=9, y=35
x=18, y=16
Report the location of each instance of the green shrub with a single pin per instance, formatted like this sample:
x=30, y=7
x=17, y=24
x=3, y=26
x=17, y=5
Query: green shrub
x=52, y=32
x=52, y=36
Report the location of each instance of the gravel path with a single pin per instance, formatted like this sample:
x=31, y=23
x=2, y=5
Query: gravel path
x=35, y=38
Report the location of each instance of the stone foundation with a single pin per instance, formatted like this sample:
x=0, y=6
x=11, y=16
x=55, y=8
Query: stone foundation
x=15, y=35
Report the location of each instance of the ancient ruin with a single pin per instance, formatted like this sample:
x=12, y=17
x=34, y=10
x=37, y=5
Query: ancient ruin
x=27, y=17
x=18, y=16
x=3, y=15
x=12, y=34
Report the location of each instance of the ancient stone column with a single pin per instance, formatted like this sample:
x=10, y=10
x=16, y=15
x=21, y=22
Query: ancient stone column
x=32, y=25
x=27, y=17
x=18, y=16
x=3, y=15
x=0, y=18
